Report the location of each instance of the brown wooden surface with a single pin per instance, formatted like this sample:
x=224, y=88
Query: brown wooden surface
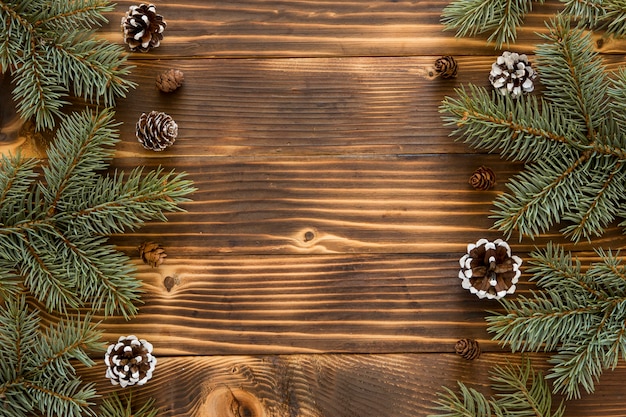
x=315, y=272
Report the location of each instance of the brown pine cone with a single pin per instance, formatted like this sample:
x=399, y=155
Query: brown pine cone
x=446, y=67
x=143, y=27
x=129, y=361
x=170, y=80
x=156, y=130
x=467, y=349
x=483, y=179
x=489, y=270
x=152, y=254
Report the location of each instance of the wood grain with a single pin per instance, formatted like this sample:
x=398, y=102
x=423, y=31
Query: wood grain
x=322, y=28
x=401, y=385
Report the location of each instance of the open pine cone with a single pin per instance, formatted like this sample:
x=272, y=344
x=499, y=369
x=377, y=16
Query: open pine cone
x=483, y=178
x=143, y=27
x=467, y=348
x=446, y=67
x=156, y=130
x=488, y=269
x=512, y=74
x=152, y=253
x=129, y=361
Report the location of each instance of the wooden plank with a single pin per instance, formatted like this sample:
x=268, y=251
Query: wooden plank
x=308, y=304
x=332, y=385
x=295, y=205
x=321, y=28
x=280, y=107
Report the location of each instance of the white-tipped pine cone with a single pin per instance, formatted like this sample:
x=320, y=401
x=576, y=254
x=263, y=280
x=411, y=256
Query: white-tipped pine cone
x=156, y=130
x=488, y=269
x=143, y=27
x=512, y=74
x=129, y=361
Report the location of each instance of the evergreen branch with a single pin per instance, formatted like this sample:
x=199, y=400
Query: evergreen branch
x=519, y=391
x=473, y=17
x=617, y=92
x=17, y=176
x=521, y=131
x=84, y=146
x=574, y=75
x=609, y=15
x=580, y=315
x=114, y=406
x=61, y=396
x=73, y=13
x=48, y=61
x=540, y=195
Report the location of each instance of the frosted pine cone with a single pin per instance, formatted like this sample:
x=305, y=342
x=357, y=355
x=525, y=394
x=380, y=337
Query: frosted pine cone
x=129, y=361
x=170, y=80
x=512, y=74
x=446, y=67
x=143, y=27
x=488, y=269
x=152, y=253
x=482, y=179
x=156, y=130
x=467, y=349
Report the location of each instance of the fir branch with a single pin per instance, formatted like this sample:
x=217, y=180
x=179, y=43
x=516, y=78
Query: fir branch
x=63, y=212
x=579, y=314
x=572, y=139
x=37, y=372
x=474, y=17
x=48, y=62
x=116, y=406
x=608, y=15
x=519, y=391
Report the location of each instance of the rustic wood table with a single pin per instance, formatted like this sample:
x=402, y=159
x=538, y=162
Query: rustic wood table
x=315, y=271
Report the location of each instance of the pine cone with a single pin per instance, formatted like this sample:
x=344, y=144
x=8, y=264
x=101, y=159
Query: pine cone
x=170, y=80
x=468, y=349
x=152, y=253
x=483, y=179
x=488, y=269
x=512, y=74
x=129, y=361
x=143, y=27
x=446, y=67
x=156, y=130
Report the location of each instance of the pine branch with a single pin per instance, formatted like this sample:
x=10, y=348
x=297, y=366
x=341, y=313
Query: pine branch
x=37, y=372
x=519, y=391
x=62, y=211
x=500, y=19
x=114, y=406
x=48, y=61
x=581, y=315
x=572, y=139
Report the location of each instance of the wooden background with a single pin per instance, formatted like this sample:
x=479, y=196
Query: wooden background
x=315, y=272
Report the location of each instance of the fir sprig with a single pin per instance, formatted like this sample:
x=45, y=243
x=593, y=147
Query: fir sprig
x=519, y=391
x=116, y=406
x=579, y=314
x=572, y=139
x=54, y=228
x=37, y=372
x=502, y=19
x=499, y=18
x=50, y=50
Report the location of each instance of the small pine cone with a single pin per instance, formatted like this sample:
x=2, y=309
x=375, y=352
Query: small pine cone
x=483, y=179
x=143, y=27
x=512, y=74
x=467, y=349
x=446, y=67
x=129, y=361
x=152, y=254
x=488, y=269
x=170, y=80
x=156, y=130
